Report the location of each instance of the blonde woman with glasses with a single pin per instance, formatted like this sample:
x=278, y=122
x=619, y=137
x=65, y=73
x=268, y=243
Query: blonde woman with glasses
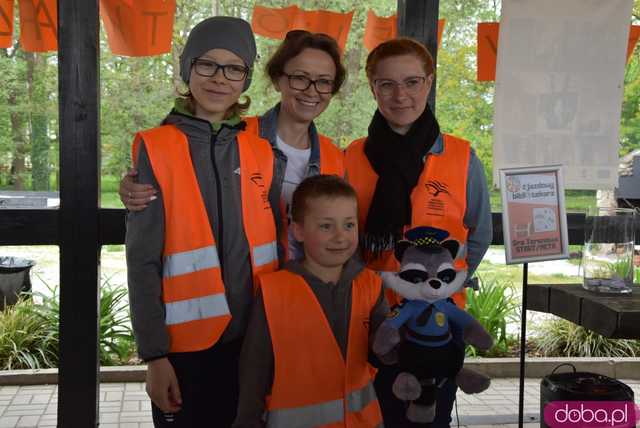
x=407, y=173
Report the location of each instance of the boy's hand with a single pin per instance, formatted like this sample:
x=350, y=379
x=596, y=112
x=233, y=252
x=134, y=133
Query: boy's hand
x=162, y=385
x=387, y=337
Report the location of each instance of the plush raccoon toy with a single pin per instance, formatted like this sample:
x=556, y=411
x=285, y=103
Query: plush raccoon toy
x=425, y=334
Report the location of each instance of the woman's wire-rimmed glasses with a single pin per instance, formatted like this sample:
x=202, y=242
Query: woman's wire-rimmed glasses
x=412, y=85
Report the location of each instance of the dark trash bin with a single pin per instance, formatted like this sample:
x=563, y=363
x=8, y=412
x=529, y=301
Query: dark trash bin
x=580, y=386
x=14, y=279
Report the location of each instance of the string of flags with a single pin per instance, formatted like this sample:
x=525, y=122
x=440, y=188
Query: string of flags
x=145, y=27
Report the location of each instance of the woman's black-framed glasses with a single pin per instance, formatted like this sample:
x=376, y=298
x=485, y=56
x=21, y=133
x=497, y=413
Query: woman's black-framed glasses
x=208, y=68
x=411, y=85
x=301, y=82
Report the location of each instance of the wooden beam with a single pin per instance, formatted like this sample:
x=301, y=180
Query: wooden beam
x=418, y=19
x=40, y=227
x=28, y=227
x=79, y=226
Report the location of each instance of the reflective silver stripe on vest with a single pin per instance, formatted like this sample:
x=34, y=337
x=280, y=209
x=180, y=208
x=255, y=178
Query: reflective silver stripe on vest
x=190, y=261
x=358, y=400
x=196, y=309
x=265, y=254
x=330, y=412
x=321, y=414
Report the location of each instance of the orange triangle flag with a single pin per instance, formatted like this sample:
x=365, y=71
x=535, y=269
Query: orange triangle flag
x=6, y=23
x=488, y=35
x=138, y=28
x=380, y=29
x=487, y=50
x=276, y=23
x=634, y=35
x=38, y=25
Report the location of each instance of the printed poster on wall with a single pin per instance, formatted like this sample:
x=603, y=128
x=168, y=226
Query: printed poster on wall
x=559, y=87
x=534, y=221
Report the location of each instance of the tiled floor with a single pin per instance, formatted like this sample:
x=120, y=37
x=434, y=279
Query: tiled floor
x=125, y=405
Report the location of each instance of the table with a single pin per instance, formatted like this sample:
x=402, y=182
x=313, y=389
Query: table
x=612, y=315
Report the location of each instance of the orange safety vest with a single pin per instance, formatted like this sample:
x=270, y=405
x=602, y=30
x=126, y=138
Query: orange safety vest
x=438, y=200
x=331, y=163
x=313, y=385
x=192, y=288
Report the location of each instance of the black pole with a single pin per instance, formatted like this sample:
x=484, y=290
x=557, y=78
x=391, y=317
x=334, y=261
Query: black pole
x=79, y=225
x=418, y=19
x=523, y=342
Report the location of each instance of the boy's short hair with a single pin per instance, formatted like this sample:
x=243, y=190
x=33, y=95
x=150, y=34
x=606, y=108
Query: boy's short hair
x=318, y=186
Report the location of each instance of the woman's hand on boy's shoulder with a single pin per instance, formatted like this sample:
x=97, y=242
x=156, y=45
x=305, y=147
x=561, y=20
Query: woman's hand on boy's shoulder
x=162, y=385
x=135, y=196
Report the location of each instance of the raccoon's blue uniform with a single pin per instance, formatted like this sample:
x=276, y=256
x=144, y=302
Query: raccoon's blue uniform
x=428, y=323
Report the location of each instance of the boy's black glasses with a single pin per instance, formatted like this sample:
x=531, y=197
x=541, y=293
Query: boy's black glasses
x=208, y=68
x=302, y=83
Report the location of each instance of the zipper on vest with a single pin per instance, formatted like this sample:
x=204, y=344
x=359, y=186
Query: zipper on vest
x=219, y=238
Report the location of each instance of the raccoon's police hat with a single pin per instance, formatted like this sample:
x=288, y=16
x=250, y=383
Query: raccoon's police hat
x=428, y=239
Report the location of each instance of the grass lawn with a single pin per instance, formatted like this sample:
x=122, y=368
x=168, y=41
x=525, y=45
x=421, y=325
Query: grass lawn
x=512, y=274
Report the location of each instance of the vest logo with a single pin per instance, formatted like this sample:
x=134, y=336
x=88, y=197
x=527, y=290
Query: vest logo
x=435, y=205
x=257, y=179
x=436, y=187
x=366, y=322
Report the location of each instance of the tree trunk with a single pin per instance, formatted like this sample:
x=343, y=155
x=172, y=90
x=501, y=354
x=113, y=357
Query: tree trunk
x=18, y=135
x=40, y=169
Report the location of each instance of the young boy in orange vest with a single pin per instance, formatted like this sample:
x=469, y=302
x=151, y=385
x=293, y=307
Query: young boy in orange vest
x=304, y=358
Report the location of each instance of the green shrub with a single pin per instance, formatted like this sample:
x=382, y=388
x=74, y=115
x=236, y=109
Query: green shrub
x=561, y=338
x=26, y=339
x=29, y=337
x=116, y=337
x=493, y=305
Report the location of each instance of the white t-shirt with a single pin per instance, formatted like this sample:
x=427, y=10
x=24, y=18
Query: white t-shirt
x=297, y=163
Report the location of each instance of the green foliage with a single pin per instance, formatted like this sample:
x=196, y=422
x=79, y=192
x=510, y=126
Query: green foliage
x=116, y=336
x=29, y=337
x=27, y=340
x=561, y=338
x=494, y=305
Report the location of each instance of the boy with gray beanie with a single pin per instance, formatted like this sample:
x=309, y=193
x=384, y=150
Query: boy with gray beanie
x=190, y=253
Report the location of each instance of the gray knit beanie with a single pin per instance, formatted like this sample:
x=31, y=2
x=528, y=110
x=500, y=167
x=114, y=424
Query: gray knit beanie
x=219, y=32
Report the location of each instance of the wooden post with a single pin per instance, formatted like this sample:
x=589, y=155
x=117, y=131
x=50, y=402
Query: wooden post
x=79, y=227
x=418, y=19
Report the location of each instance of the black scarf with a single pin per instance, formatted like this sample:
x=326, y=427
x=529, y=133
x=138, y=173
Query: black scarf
x=398, y=160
